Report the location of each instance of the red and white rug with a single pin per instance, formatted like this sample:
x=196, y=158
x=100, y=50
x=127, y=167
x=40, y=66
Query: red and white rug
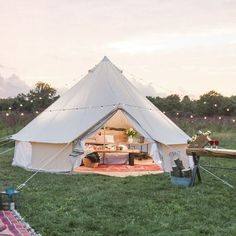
x=119, y=168
x=12, y=224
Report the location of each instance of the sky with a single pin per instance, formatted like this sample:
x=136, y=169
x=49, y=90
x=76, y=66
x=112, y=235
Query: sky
x=186, y=47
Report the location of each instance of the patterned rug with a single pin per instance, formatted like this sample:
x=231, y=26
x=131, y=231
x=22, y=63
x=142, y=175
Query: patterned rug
x=12, y=224
x=119, y=168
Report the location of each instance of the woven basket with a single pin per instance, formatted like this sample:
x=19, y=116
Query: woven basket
x=88, y=163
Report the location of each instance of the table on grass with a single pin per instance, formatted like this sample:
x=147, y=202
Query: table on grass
x=208, y=152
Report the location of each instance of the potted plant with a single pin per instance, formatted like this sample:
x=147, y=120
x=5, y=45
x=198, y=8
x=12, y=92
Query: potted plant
x=91, y=160
x=131, y=133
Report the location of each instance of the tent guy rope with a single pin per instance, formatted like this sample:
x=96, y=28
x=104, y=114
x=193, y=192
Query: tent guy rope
x=8, y=150
x=225, y=182
x=9, y=141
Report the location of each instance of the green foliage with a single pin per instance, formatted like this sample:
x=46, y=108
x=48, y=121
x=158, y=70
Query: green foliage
x=37, y=99
x=209, y=104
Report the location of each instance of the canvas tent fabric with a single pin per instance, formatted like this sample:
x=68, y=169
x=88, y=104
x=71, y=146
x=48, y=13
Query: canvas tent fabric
x=84, y=108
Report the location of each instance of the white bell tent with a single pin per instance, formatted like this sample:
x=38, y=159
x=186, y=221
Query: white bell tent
x=104, y=97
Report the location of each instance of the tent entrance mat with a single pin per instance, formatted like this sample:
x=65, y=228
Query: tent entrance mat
x=104, y=169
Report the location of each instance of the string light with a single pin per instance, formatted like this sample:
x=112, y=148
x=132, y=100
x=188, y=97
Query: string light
x=40, y=98
x=215, y=105
x=177, y=113
x=31, y=101
x=37, y=112
x=204, y=102
x=9, y=108
x=7, y=114
x=22, y=114
x=191, y=116
x=21, y=105
x=233, y=120
x=227, y=109
x=220, y=117
x=164, y=112
x=205, y=117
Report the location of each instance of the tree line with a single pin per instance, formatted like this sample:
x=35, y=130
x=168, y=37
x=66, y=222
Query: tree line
x=209, y=104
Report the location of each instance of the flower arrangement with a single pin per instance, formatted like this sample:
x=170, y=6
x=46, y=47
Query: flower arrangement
x=200, y=133
x=131, y=132
x=200, y=139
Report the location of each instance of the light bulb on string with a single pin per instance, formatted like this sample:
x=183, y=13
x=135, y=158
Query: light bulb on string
x=22, y=114
x=21, y=105
x=215, y=105
x=37, y=112
x=227, y=109
x=205, y=117
x=9, y=108
x=191, y=116
x=220, y=117
x=7, y=114
x=233, y=120
x=31, y=101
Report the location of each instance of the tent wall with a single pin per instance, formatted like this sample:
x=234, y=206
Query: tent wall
x=173, y=152
x=22, y=154
x=44, y=157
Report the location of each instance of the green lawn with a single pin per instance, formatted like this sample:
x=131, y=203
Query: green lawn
x=56, y=204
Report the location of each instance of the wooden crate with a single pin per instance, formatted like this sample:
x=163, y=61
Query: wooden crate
x=200, y=142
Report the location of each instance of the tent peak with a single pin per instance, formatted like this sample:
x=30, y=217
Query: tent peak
x=105, y=58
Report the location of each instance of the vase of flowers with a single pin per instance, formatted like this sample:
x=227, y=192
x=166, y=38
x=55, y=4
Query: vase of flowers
x=131, y=133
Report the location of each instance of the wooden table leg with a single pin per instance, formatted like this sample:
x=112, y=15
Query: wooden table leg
x=131, y=159
x=196, y=171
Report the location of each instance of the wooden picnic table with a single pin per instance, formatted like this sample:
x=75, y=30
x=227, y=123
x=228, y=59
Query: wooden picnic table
x=208, y=152
x=213, y=152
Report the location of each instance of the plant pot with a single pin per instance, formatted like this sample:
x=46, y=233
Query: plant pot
x=130, y=139
x=88, y=163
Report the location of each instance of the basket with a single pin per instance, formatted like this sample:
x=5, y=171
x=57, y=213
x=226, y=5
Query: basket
x=88, y=163
x=181, y=181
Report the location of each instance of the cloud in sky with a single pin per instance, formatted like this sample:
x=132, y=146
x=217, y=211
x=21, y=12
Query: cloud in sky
x=187, y=45
x=12, y=86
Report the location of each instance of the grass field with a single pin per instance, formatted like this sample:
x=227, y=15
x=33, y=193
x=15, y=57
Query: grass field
x=90, y=205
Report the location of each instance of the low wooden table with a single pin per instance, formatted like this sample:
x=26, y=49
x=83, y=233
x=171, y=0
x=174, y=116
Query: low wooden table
x=129, y=151
x=213, y=152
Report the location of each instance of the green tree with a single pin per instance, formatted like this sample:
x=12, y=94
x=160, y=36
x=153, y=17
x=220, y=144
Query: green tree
x=40, y=97
x=172, y=104
x=210, y=104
